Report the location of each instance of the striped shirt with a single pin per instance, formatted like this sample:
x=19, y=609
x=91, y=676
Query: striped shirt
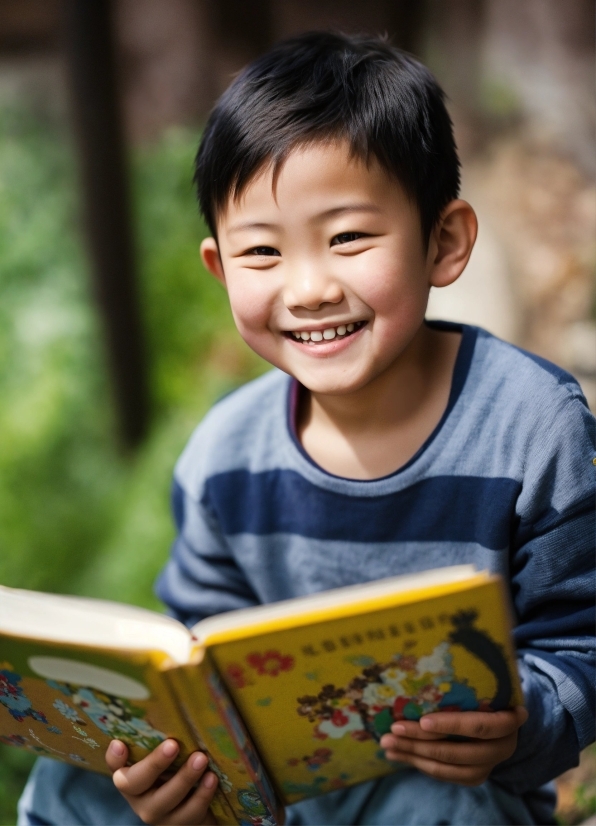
x=505, y=481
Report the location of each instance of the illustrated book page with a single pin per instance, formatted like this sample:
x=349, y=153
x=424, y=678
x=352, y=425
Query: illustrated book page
x=317, y=697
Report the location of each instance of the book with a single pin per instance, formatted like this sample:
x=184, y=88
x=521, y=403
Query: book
x=288, y=700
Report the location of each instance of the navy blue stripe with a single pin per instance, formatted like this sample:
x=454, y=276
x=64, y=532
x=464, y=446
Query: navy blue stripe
x=177, y=502
x=439, y=509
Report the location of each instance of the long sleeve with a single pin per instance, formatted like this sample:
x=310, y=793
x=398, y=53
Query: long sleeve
x=201, y=577
x=553, y=588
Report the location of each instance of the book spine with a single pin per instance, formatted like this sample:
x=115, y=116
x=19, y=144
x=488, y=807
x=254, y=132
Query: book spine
x=244, y=792
x=243, y=743
x=221, y=806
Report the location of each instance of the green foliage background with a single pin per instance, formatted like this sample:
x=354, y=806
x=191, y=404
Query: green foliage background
x=76, y=516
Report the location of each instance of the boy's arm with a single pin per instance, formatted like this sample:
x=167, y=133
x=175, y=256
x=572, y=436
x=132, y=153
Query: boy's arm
x=552, y=585
x=552, y=582
x=201, y=577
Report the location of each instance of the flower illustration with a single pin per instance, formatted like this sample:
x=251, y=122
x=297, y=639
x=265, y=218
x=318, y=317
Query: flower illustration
x=342, y=721
x=14, y=739
x=237, y=675
x=14, y=698
x=66, y=711
x=394, y=677
x=54, y=730
x=379, y=694
x=77, y=758
x=63, y=689
x=270, y=663
x=407, y=662
x=437, y=663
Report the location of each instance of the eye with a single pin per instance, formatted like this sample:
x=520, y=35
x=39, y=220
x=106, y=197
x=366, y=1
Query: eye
x=263, y=251
x=346, y=237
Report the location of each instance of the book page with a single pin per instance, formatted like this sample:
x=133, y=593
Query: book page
x=90, y=622
x=305, y=609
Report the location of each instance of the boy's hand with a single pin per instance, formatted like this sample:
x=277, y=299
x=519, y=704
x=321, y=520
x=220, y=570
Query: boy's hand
x=493, y=738
x=174, y=801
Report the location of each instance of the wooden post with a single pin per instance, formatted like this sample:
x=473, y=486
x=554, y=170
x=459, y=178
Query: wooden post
x=91, y=63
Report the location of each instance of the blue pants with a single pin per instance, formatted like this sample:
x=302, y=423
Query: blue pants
x=63, y=795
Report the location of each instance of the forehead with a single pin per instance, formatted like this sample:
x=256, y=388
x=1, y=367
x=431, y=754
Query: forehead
x=314, y=179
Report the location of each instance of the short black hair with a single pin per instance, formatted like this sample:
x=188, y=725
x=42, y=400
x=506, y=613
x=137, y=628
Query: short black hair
x=330, y=86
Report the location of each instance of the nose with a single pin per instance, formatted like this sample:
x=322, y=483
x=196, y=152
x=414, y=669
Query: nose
x=308, y=288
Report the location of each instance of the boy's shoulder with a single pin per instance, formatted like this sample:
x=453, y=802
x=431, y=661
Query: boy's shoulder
x=244, y=429
x=511, y=377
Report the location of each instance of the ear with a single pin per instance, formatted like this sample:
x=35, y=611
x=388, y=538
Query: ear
x=451, y=243
x=212, y=259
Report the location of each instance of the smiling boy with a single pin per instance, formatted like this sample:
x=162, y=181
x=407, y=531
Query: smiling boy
x=383, y=444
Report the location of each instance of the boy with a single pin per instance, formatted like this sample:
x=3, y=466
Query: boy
x=384, y=444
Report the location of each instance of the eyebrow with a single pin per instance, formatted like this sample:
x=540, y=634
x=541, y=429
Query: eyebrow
x=340, y=210
x=243, y=225
x=328, y=213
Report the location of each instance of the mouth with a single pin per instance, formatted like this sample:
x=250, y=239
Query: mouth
x=316, y=337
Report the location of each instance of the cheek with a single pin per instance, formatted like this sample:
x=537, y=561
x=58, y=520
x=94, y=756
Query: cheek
x=391, y=284
x=250, y=301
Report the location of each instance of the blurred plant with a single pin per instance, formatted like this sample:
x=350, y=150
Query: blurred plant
x=74, y=515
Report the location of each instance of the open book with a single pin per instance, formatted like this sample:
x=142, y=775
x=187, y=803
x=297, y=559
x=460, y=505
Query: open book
x=289, y=700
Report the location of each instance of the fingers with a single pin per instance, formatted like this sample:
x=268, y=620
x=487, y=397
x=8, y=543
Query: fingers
x=491, y=737
x=116, y=755
x=464, y=775
x=176, y=801
x=406, y=728
x=196, y=808
x=477, y=752
x=163, y=800
x=137, y=779
x=478, y=724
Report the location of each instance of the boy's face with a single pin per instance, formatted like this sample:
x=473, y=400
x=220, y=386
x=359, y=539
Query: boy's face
x=326, y=271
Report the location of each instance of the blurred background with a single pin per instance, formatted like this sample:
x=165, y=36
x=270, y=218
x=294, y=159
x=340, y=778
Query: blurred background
x=114, y=341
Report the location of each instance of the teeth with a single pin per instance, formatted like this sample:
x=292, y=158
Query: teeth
x=328, y=334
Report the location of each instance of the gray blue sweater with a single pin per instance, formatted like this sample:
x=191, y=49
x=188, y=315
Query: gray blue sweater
x=505, y=481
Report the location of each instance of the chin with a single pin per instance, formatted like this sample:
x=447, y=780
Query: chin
x=331, y=386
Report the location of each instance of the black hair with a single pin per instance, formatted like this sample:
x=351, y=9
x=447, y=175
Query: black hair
x=328, y=86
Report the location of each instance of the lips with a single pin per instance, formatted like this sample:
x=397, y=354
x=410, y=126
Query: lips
x=314, y=337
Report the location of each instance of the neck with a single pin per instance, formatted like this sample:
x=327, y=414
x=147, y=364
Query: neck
x=388, y=401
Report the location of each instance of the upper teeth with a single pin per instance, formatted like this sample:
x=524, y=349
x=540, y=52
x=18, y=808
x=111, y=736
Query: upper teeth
x=328, y=334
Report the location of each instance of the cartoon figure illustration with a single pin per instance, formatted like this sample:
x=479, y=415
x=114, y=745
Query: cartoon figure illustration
x=407, y=687
x=13, y=698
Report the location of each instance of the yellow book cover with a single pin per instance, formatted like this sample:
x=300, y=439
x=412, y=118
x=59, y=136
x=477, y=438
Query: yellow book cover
x=288, y=700
x=76, y=673
x=318, y=692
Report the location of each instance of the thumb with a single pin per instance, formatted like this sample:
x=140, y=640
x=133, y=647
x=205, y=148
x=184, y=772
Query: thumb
x=116, y=755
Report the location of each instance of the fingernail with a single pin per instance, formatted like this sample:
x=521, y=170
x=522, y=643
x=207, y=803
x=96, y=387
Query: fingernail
x=209, y=781
x=170, y=748
x=199, y=762
x=117, y=748
x=398, y=728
